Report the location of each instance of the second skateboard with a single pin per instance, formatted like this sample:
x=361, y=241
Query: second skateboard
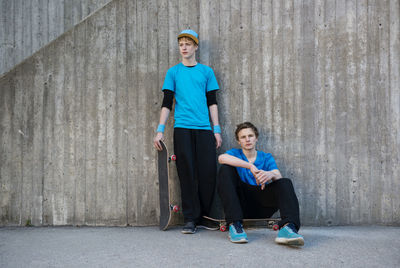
x=271, y=223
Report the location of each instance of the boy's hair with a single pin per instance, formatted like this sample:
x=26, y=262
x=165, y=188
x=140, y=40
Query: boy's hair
x=243, y=126
x=185, y=38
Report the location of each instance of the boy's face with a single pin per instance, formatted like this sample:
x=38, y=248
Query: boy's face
x=247, y=139
x=187, y=47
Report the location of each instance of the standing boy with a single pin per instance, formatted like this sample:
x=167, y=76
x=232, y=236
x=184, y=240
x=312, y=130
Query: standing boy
x=251, y=186
x=194, y=87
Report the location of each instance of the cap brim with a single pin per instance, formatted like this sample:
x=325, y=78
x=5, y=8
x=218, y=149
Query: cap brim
x=190, y=36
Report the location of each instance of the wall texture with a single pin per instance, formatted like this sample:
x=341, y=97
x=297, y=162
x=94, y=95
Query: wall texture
x=321, y=79
x=28, y=25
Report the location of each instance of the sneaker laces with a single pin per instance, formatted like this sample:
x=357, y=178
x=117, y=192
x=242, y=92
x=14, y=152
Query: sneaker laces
x=238, y=226
x=291, y=228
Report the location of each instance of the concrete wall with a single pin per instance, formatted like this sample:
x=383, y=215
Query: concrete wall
x=321, y=79
x=28, y=25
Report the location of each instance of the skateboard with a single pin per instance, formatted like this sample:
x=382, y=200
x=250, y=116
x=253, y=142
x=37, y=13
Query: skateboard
x=270, y=222
x=167, y=208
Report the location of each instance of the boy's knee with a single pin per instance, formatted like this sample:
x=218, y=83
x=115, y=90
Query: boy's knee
x=226, y=170
x=225, y=174
x=285, y=182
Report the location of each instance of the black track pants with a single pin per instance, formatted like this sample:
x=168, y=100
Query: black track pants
x=244, y=201
x=197, y=168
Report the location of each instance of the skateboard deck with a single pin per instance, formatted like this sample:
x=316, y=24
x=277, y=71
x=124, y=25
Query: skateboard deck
x=169, y=206
x=271, y=223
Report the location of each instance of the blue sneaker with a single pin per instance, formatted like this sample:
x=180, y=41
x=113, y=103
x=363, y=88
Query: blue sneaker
x=288, y=236
x=236, y=233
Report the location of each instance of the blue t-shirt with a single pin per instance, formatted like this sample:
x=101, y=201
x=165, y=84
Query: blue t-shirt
x=264, y=161
x=190, y=85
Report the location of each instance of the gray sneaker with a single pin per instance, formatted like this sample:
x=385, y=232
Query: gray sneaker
x=189, y=228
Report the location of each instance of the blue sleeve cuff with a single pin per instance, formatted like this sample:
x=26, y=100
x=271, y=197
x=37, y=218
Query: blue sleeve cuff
x=217, y=129
x=160, y=128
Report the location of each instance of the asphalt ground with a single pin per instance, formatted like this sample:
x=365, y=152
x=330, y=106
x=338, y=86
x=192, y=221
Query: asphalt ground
x=349, y=246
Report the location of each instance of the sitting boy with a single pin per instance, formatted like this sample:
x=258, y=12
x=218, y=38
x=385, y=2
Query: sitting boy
x=251, y=186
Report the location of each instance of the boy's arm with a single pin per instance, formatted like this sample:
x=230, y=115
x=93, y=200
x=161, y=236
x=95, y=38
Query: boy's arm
x=277, y=173
x=160, y=135
x=237, y=162
x=214, y=118
x=262, y=176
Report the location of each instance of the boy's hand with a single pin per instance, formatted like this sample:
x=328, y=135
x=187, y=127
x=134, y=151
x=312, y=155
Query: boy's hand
x=264, y=177
x=159, y=137
x=254, y=170
x=218, y=140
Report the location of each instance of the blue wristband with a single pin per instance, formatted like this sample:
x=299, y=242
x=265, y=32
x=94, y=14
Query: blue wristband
x=217, y=129
x=160, y=128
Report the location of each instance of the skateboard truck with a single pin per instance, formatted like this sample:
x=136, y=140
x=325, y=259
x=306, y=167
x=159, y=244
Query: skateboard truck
x=172, y=157
x=174, y=208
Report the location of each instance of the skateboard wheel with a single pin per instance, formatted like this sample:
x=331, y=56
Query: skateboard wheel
x=222, y=228
x=175, y=208
x=275, y=227
x=173, y=157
